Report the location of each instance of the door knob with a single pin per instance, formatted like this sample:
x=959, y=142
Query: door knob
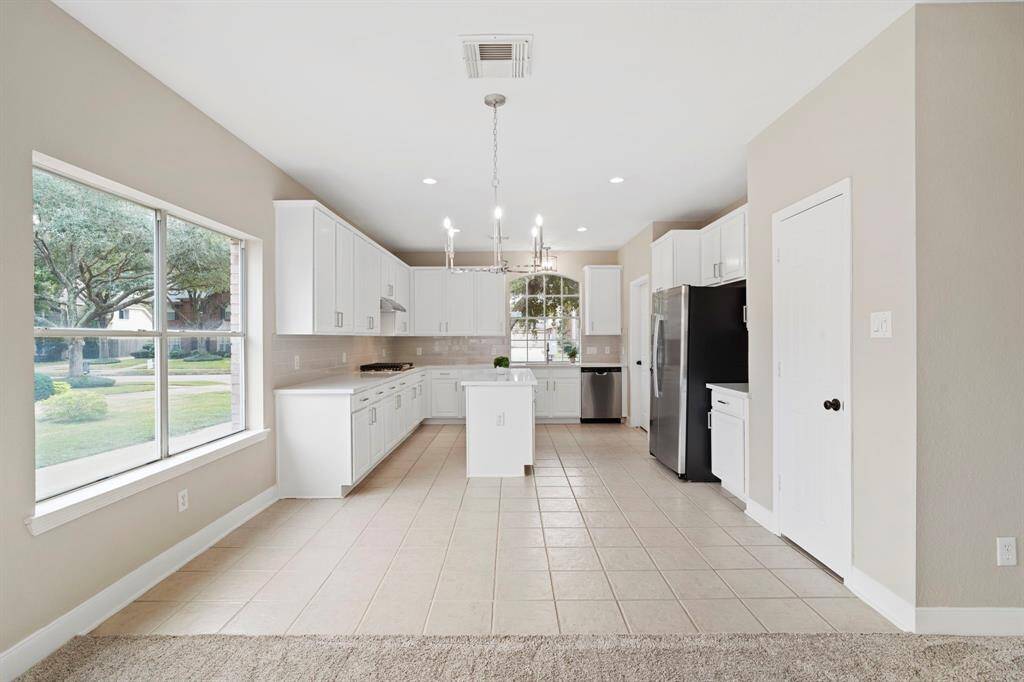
x=638, y=362
x=833, y=404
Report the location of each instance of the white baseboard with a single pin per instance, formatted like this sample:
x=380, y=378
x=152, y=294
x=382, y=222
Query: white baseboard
x=897, y=610
x=112, y=599
x=766, y=517
x=970, y=621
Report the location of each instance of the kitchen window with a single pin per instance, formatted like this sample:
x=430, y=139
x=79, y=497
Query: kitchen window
x=545, y=312
x=139, y=331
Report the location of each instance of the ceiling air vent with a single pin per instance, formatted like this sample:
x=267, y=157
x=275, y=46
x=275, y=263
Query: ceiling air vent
x=497, y=56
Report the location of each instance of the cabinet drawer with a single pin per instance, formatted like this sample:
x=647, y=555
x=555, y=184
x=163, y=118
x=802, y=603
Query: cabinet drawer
x=444, y=373
x=729, y=404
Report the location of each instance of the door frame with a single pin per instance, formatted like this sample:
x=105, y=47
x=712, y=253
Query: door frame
x=635, y=326
x=842, y=191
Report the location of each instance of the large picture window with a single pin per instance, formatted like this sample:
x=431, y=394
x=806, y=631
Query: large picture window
x=139, y=334
x=545, y=312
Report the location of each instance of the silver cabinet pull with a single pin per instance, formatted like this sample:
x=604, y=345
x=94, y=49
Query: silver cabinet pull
x=709, y=421
x=440, y=326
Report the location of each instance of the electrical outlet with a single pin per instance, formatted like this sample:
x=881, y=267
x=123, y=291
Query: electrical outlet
x=607, y=350
x=183, y=500
x=419, y=351
x=297, y=362
x=383, y=352
x=1006, y=551
x=344, y=357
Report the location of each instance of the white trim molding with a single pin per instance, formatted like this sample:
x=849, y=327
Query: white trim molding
x=69, y=506
x=879, y=597
x=933, y=620
x=115, y=597
x=766, y=517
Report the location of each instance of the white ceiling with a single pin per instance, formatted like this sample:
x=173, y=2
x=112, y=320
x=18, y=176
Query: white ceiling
x=360, y=101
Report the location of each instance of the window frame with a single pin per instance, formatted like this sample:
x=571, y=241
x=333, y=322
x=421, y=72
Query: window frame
x=160, y=333
x=578, y=340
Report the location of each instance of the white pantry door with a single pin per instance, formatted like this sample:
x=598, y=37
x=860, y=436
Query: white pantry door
x=811, y=331
x=640, y=353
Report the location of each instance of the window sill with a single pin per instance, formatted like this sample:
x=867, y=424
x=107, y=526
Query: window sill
x=59, y=510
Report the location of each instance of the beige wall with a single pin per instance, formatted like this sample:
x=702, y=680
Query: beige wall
x=970, y=311
x=859, y=123
x=68, y=94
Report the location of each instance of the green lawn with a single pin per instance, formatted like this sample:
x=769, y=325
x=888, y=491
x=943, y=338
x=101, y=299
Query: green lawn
x=129, y=421
x=147, y=386
x=135, y=366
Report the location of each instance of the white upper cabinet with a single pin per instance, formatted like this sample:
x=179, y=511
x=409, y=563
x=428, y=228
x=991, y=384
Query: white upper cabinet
x=675, y=260
x=460, y=304
x=314, y=277
x=457, y=303
x=661, y=263
x=491, y=304
x=330, y=277
x=366, y=267
x=602, y=296
x=428, y=286
x=723, y=249
x=402, y=284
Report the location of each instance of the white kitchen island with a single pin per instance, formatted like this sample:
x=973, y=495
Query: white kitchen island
x=499, y=422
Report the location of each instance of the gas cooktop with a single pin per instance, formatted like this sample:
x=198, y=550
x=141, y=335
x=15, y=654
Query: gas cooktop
x=385, y=367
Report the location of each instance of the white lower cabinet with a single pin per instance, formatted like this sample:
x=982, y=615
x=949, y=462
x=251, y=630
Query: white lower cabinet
x=557, y=393
x=728, y=423
x=445, y=395
x=328, y=440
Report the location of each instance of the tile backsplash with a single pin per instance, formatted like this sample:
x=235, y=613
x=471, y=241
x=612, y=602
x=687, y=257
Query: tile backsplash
x=321, y=355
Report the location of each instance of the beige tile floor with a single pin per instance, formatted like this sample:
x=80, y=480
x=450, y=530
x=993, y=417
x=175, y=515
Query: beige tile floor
x=599, y=539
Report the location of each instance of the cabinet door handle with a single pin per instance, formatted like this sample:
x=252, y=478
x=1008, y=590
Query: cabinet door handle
x=440, y=326
x=709, y=421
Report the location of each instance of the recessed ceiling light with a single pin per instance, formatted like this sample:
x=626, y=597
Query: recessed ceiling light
x=616, y=180
x=581, y=229
x=429, y=181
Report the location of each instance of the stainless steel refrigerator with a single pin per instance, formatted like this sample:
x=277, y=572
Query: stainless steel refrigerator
x=698, y=335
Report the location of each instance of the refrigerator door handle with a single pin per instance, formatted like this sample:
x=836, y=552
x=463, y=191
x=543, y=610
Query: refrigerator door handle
x=655, y=354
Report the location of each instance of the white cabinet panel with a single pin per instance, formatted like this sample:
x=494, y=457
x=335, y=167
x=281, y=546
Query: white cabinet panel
x=602, y=296
x=734, y=247
x=661, y=264
x=728, y=450
x=445, y=398
x=378, y=429
x=362, y=448
x=402, y=322
x=460, y=306
x=428, y=301
x=565, y=399
x=710, y=254
x=324, y=273
x=366, y=270
x=542, y=394
x=388, y=274
x=344, y=279
x=490, y=304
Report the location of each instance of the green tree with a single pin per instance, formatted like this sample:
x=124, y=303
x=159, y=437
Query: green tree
x=94, y=257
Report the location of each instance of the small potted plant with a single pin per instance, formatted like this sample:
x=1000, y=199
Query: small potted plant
x=571, y=351
x=501, y=362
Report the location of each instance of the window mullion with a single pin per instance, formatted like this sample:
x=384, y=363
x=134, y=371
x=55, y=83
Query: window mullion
x=160, y=328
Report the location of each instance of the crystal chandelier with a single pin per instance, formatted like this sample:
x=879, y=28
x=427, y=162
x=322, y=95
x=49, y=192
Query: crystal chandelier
x=542, y=260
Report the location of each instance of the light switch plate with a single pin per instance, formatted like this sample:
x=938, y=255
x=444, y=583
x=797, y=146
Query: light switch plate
x=419, y=351
x=296, y=362
x=344, y=357
x=881, y=324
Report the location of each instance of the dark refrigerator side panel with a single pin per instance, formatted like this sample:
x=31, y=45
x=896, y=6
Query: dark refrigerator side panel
x=716, y=352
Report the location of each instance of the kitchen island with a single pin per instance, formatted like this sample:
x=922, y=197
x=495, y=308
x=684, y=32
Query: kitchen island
x=499, y=422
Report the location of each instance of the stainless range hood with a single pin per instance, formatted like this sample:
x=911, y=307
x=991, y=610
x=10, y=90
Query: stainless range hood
x=388, y=305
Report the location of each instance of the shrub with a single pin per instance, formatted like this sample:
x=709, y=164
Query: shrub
x=43, y=386
x=177, y=354
x=202, y=357
x=144, y=354
x=50, y=349
x=61, y=387
x=74, y=406
x=90, y=382
x=501, y=361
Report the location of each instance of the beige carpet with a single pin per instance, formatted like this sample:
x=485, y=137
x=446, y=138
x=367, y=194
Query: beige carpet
x=625, y=657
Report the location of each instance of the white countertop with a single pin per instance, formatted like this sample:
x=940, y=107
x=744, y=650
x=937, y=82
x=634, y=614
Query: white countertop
x=518, y=376
x=355, y=382
x=602, y=364
x=741, y=390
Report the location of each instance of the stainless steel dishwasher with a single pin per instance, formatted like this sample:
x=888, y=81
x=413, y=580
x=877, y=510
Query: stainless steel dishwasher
x=601, y=394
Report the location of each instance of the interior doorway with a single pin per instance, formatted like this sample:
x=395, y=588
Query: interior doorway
x=640, y=353
x=811, y=309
